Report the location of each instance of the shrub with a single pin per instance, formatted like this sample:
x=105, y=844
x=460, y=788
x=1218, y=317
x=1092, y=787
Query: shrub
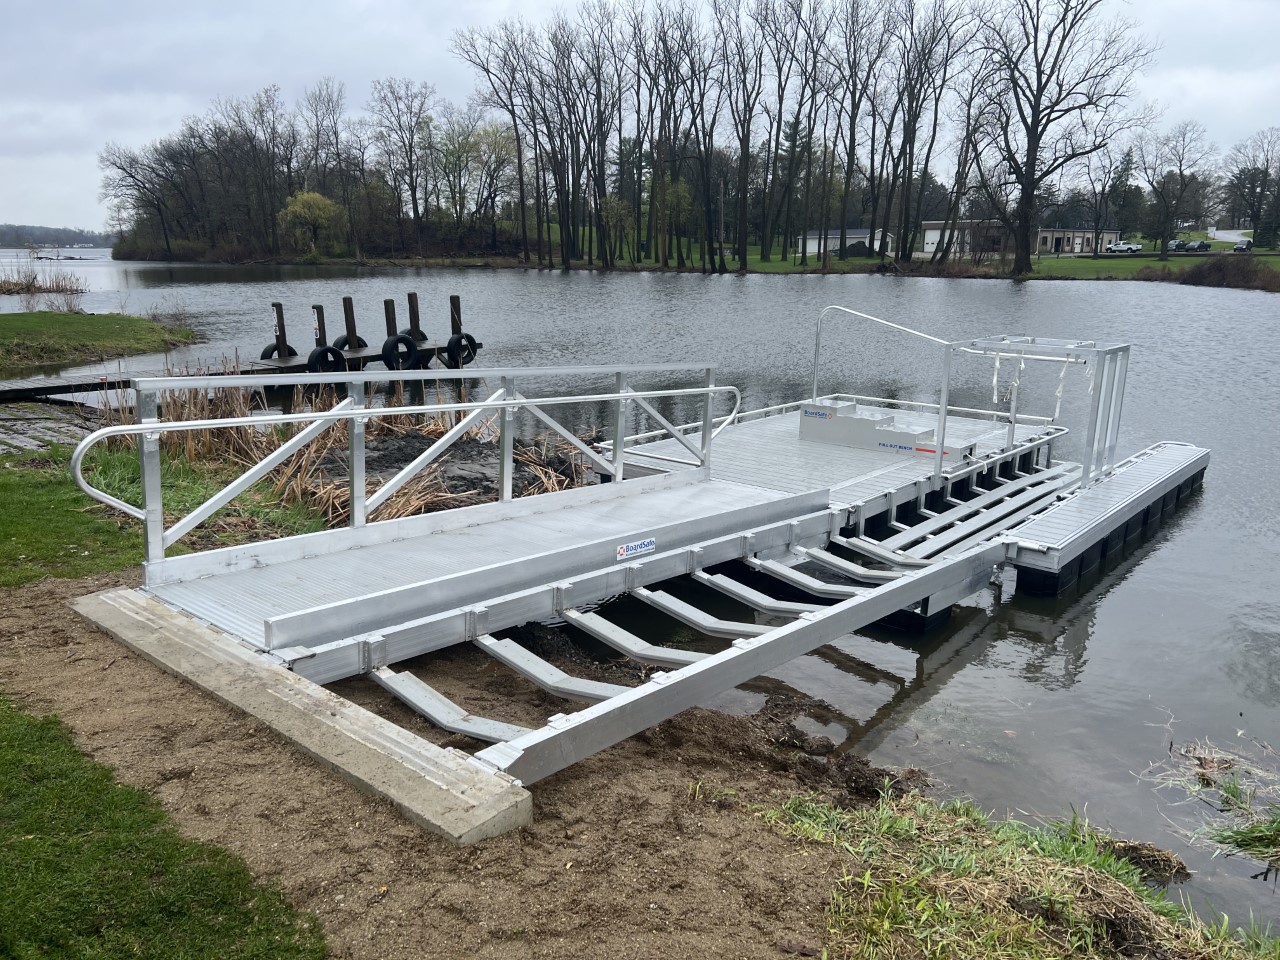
x=1242, y=272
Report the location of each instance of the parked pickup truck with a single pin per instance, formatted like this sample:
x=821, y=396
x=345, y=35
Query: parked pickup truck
x=1123, y=246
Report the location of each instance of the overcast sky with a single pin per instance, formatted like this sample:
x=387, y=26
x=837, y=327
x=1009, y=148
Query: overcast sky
x=75, y=74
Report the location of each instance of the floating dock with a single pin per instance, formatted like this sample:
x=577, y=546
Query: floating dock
x=817, y=518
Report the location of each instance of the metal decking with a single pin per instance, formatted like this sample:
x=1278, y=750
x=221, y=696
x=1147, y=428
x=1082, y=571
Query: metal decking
x=315, y=589
x=302, y=596
x=769, y=453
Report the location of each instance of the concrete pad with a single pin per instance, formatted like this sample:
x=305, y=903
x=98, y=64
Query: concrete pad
x=434, y=787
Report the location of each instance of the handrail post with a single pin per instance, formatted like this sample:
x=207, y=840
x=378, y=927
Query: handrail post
x=148, y=407
x=506, y=438
x=1099, y=440
x=1013, y=413
x=817, y=351
x=619, y=424
x=1113, y=428
x=940, y=434
x=356, y=495
x=1095, y=389
x=708, y=381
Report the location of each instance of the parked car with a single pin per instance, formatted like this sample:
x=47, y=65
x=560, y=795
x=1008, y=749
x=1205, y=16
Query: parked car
x=1123, y=246
x=1197, y=246
x=1244, y=246
x=1175, y=245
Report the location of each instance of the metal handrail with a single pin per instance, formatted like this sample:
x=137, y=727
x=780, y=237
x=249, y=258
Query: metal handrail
x=817, y=337
x=232, y=380
x=506, y=401
x=1022, y=418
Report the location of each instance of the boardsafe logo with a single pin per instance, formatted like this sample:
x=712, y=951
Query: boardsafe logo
x=628, y=550
x=819, y=414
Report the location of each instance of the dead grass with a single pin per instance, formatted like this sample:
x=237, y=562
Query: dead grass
x=317, y=476
x=1225, y=796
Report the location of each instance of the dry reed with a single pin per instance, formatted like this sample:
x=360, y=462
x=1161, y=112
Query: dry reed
x=317, y=475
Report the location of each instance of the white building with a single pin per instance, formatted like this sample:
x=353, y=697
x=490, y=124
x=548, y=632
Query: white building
x=855, y=241
x=975, y=237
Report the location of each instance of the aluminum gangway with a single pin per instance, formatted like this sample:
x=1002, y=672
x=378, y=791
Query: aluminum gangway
x=810, y=540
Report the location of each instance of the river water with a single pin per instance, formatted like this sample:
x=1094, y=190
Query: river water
x=1028, y=706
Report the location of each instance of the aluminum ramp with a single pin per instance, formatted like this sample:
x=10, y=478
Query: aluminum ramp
x=288, y=594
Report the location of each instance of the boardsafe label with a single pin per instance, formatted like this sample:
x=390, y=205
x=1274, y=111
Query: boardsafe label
x=628, y=550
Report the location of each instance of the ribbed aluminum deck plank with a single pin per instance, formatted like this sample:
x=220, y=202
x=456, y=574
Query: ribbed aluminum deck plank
x=240, y=602
x=1071, y=526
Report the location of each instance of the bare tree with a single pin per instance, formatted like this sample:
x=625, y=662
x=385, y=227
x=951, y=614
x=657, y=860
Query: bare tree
x=1177, y=168
x=1059, y=80
x=741, y=57
x=1252, y=178
x=401, y=113
x=859, y=48
x=496, y=54
x=1105, y=174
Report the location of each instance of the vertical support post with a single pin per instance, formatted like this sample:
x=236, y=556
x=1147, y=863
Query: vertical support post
x=708, y=380
x=322, y=338
x=349, y=319
x=389, y=312
x=415, y=319
x=148, y=406
x=355, y=455
x=506, y=439
x=1013, y=414
x=817, y=351
x=619, y=424
x=1117, y=402
x=1095, y=401
x=282, y=344
x=1098, y=455
x=940, y=434
x=455, y=314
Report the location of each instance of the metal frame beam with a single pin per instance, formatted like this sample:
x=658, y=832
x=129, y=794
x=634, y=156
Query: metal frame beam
x=571, y=738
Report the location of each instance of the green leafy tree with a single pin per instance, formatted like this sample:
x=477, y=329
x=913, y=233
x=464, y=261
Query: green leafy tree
x=308, y=216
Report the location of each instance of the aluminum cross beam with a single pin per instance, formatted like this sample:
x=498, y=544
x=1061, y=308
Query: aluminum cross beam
x=569, y=738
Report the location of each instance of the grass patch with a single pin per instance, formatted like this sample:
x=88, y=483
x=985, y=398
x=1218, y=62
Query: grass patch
x=1117, y=266
x=42, y=339
x=92, y=869
x=1260, y=838
x=50, y=528
x=928, y=880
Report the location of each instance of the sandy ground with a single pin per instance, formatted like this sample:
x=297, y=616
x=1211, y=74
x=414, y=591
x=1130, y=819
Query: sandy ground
x=650, y=849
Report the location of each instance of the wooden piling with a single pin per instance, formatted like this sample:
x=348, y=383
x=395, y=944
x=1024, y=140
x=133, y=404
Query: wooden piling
x=455, y=328
x=415, y=320
x=282, y=344
x=389, y=311
x=455, y=314
x=322, y=338
x=349, y=317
